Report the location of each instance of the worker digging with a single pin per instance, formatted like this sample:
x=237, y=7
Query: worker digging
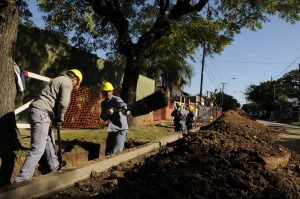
x=50, y=106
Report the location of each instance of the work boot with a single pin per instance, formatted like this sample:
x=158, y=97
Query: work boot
x=57, y=168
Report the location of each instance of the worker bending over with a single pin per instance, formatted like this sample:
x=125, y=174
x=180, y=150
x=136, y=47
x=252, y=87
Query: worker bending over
x=51, y=104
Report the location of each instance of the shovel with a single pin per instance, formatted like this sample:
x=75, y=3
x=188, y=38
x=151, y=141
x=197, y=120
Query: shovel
x=59, y=153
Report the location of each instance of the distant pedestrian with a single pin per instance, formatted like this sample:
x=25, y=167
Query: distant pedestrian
x=190, y=118
x=115, y=111
x=179, y=115
x=51, y=104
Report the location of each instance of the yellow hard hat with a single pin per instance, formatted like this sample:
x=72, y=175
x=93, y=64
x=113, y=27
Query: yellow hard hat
x=178, y=104
x=77, y=74
x=107, y=86
x=191, y=108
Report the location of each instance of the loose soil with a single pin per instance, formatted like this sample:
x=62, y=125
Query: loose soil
x=233, y=157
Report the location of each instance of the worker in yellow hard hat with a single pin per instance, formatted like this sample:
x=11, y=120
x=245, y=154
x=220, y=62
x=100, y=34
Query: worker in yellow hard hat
x=178, y=104
x=76, y=73
x=179, y=115
x=50, y=105
x=115, y=110
x=190, y=118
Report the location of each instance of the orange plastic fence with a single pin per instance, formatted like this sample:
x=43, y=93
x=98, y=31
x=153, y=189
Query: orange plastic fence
x=83, y=110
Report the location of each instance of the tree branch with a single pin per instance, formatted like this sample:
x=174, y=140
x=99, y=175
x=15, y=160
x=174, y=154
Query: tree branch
x=3, y=3
x=162, y=24
x=183, y=7
x=163, y=6
x=110, y=10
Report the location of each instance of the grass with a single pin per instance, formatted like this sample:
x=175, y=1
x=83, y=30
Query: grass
x=296, y=123
x=90, y=135
x=150, y=132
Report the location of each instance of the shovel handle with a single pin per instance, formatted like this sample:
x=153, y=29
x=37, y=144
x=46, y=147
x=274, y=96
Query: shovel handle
x=59, y=153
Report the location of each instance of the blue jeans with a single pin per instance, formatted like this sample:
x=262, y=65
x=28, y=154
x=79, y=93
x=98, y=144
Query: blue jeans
x=115, y=142
x=182, y=126
x=42, y=141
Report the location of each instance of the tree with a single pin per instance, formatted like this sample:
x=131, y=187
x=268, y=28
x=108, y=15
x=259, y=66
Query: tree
x=270, y=95
x=250, y=108
x=290, y=81
x=174, y=73
x=229, y=102
x=262, y=95
x=9, y=143
x=292, y=85
x=133, y=27
x=9, y=18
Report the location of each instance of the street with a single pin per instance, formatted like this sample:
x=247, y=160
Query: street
x=290, y=139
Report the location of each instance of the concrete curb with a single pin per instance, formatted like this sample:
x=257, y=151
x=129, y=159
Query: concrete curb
x=51, y=182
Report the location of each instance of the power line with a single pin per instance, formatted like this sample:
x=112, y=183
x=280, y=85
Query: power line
x=250, y=62
x=209, y=77
x=287, y=67
x=214, y=68
x=208, y=71
x=251, y=68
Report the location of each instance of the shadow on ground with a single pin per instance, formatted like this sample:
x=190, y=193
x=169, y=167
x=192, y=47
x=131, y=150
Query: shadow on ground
x=292, y=144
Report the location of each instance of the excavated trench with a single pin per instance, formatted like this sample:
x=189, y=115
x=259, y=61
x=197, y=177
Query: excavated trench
x=76, y=153
x=233, y=157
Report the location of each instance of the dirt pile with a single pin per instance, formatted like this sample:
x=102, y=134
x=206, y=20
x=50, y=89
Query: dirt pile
x=233, y=157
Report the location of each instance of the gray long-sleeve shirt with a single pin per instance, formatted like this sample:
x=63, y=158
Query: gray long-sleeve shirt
x=117, y=121
x=55, y=97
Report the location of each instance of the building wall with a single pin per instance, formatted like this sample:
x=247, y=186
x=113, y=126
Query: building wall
x=145, y=87
x=44, y=53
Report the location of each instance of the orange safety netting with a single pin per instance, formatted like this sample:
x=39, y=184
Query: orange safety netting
x=84, y=109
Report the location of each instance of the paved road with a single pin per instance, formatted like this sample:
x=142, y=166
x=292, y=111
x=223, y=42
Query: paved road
x=291, y=139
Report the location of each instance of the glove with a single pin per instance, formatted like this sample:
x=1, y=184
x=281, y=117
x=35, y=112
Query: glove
x=110, y=111
x=125, y=111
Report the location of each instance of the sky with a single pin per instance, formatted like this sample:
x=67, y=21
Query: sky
x=253, y=57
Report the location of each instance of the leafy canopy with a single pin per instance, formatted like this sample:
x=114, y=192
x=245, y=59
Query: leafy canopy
x=215, y=24
x=155, y=29
x=270, y=95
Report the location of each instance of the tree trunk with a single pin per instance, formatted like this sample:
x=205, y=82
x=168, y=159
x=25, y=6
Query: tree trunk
x=130, y=79
x=9, y=18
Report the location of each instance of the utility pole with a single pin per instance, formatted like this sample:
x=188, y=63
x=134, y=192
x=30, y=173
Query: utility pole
x=202, y=71
x=203, y=57
x=272, y=116
x=222, y=96
x=299, y=93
